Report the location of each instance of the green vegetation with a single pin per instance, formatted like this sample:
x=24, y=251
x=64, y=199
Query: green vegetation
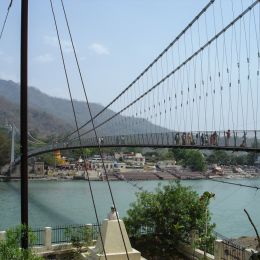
x=172, y=212
x=195, y=160
x=79, y=237
x=10, y=248
x=49, y=115
x=47, y=158
x=222, y=157
x=5, y=147
x=191, y=158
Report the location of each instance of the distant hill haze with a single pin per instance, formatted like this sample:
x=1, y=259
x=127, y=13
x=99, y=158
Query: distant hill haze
x=54, y=116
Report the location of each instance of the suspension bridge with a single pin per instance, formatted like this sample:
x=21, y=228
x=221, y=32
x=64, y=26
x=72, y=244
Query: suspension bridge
x=201, y=91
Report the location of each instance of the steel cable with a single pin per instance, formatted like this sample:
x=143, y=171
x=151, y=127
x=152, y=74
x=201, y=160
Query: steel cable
x=75, y=119
x=149, y=66
x=215, y=37
x=5, y=20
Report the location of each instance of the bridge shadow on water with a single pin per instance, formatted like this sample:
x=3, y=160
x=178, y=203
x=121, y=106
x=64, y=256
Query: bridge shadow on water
x=50, y=213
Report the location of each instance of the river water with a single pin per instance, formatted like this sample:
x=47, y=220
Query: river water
x=53, y=203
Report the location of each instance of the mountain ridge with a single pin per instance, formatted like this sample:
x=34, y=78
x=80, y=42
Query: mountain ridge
x=59, y=109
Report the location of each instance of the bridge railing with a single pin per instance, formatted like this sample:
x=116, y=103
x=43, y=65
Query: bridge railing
x=230, y=139
x=238, y=139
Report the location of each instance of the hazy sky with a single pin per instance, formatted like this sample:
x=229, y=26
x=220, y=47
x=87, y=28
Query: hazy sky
x=115, y=40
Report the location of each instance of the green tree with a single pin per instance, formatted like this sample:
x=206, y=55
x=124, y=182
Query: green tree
x=10, y=247
x=167, y=156
x=195, y=160
x=132, y=150
x=191, y=158
x=47, y=158
x=179, y=154
x=251, y=158
x=222, y=157
x=5, y=148
x=173, y=211
x=218, y=156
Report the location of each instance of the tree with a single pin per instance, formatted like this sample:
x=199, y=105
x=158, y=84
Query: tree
x=10, y=247
x=179, y=154
x=5, y=148
x=251, y=158
x=48, y=158
x=218, y=156
x=195, y=160
x=192, y=158
x=222, y=157
x=173, y=211
x=132, y=150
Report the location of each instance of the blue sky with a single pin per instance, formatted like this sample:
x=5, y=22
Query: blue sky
x=115, y=40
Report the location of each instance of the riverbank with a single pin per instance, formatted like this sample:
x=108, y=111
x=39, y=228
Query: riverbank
x=168, y=173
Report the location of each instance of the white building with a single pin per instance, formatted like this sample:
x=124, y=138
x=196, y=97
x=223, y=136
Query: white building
x=134, y=159
x=166, y=164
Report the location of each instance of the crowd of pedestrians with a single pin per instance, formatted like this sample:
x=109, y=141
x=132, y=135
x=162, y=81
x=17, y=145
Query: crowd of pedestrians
x=213, y=138
x=208, y=139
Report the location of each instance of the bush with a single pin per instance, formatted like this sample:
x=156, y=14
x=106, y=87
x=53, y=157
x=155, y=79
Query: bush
x=79, y=237
x=191, y=158
x=10, y=248
x=173, y=211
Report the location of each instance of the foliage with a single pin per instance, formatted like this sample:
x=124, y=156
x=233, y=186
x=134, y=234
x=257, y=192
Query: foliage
x=173, y=211
x=159, y=155
x=222, y=157
x=132, y=150
x=195, y=160
x=88, y=152
x=192, y=158
x=179, y=154
x=251, y=158
x=76, y=153
x=47, y=158
x=5, y=147
x=218, y=156
x=10, y=247
x=79, y=237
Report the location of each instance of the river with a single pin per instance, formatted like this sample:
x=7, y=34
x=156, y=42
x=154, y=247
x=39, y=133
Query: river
x=54, y=203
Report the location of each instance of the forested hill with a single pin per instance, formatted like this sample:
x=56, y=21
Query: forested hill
x=53, y=116
x=40, y=123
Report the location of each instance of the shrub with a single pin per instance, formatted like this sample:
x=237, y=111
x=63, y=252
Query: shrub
x=10, y=247
x=173, y=211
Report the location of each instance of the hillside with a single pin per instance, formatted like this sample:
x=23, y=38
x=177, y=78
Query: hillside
x=54, y=115
x=40, y=123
